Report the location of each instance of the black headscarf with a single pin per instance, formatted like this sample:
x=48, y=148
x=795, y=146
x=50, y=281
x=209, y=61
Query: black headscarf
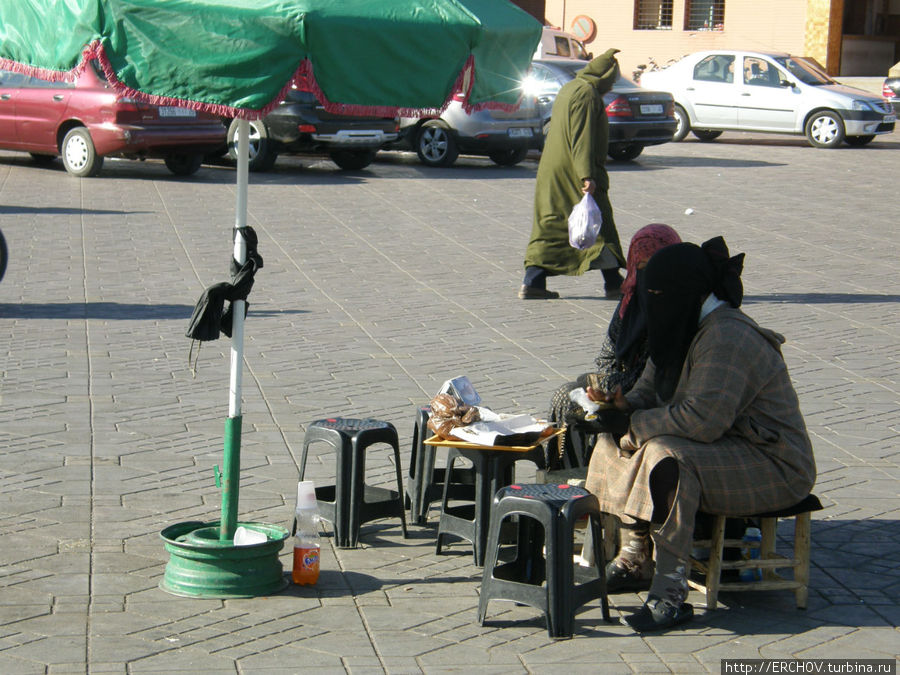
x=633, y=326
x=677, y=280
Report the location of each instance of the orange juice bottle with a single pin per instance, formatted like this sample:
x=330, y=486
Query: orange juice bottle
x=306, y=561
x=306, y=539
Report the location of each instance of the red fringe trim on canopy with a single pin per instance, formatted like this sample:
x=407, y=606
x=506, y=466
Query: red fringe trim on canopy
x=303, y=79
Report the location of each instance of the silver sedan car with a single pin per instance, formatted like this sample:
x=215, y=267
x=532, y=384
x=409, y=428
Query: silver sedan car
x=504, y=136
x=723, y=90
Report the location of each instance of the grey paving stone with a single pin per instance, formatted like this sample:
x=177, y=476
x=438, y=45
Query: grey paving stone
x=106, y=437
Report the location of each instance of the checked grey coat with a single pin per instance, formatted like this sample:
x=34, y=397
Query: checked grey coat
x=733, y=424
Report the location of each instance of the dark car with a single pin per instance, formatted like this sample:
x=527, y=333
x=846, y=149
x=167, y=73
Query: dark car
x=301, y=125
x=891, y=91
x=86, y=120
x=637, y=117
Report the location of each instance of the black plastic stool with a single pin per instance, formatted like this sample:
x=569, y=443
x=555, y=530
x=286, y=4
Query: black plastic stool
x=350, y=502
x=568, y=585
x=494, y=468
x=425, y=483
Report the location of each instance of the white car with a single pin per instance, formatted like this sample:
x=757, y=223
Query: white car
x=723, y=90
x=557, y=44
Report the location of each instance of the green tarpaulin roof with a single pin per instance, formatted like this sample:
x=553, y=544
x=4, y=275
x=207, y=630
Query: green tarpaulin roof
x=237, y=56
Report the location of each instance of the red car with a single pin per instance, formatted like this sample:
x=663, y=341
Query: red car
x=87, y=120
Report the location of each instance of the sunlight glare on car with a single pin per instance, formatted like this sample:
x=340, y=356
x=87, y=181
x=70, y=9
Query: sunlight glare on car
x=530, y=85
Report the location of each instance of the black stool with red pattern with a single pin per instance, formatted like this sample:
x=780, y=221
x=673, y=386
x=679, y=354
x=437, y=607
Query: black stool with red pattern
x=350, y=502
x=425, y=481
x=543, y=573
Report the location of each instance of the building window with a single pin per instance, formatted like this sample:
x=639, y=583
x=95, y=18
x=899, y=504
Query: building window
x=653, y=14
x=704, y=15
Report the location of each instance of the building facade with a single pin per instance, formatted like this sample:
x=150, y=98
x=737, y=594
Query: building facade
x=847, y=37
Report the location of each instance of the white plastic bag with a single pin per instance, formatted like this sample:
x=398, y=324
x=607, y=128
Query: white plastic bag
x=584, y=223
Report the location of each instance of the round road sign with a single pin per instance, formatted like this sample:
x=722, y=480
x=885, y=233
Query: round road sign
x=584, y=28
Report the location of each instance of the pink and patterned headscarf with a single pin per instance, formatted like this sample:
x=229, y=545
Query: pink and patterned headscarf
x=645, y=242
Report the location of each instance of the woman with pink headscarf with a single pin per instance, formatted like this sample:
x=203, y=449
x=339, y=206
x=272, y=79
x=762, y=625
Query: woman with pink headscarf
x=622, y=356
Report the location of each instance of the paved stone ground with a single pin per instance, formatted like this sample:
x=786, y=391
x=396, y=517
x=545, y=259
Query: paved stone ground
x=378, y=285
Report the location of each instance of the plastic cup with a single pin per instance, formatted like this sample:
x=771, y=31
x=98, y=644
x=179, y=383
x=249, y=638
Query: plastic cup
x=306, y=495
x=246, y=537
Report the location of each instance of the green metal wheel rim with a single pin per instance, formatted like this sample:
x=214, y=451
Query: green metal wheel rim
x=200, y=565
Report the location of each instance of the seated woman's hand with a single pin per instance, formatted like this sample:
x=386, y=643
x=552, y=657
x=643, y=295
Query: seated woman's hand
x=613, y=399
x=613, y=421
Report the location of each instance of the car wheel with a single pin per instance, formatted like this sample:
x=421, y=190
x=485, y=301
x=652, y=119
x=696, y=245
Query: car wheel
x=624, y=152
x=682, y=124
x=353, y=160
x=42, y=159
x=435, y=145
x=183, y=164
x=858, y=141
x=79, y=155
x=262, y=150
x=705, y=135
x=825, y=129
x=509, y=157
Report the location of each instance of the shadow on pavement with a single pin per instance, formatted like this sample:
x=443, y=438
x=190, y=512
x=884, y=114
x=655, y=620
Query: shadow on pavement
x=655, y=163
x=850, y=584
x=334, y=583
x=881, y=142
x=823, y=298
x=111, y=311
x=53, y=210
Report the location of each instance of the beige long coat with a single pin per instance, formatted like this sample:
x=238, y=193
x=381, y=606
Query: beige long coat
x=733, y=424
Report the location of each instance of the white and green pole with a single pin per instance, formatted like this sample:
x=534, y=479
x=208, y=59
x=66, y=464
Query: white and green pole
x=231, y=465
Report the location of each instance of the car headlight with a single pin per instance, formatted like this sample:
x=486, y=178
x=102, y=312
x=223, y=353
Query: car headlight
x=859, y=104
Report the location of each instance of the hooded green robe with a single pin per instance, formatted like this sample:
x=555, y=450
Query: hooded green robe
x=575, y=149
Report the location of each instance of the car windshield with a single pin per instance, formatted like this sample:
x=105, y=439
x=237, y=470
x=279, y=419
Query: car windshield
x=542, y=79
x=804, y=71
x=624, y=84
x=299, y=96
x=571, y=69
x=98, y=71
x=580, y=51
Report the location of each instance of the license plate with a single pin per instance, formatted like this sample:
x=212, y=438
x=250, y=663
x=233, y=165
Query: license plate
x=890, y=118
x=174, y=111
x=520, y=132
x=651, y=109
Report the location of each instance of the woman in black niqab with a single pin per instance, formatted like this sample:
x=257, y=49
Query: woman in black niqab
x=677, y=281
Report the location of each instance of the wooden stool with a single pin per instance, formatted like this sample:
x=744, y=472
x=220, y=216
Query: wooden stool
x=768, y=560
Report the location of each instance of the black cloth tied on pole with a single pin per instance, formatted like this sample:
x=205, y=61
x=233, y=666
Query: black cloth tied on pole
x=210, y=317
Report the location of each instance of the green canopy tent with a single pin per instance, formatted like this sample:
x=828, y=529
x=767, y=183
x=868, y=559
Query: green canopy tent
x=236, y=58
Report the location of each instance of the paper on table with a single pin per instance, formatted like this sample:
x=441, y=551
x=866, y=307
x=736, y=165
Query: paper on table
x=493, y=425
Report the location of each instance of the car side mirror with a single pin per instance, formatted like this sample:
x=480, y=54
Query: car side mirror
x=786, y=83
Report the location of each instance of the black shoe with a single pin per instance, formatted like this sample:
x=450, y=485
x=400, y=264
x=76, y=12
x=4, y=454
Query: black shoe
x=532, y=293
x=659, y=615
x=620, y=580
x=612, y=283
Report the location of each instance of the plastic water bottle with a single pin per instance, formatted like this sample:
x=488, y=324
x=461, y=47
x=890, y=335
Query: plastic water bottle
x=751, y=535
x=307, y=545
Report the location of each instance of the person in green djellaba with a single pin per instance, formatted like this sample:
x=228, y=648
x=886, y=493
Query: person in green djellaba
x=572, y=164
